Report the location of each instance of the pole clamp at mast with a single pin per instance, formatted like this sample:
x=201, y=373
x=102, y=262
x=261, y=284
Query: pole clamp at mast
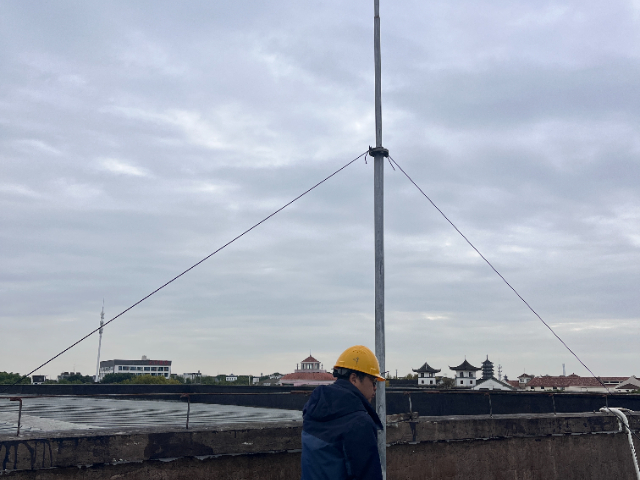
x=373, y=151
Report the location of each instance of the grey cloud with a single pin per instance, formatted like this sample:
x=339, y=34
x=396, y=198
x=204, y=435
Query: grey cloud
x=137, y=138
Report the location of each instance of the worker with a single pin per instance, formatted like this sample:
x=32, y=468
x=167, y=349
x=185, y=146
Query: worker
x=339, y=432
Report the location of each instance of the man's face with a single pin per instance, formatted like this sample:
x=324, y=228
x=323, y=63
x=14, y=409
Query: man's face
x=367, y=386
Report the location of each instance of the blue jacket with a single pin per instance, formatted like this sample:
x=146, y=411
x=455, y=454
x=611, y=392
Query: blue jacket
x=339, y=435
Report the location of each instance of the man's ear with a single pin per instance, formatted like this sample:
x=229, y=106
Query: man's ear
x=353, y=377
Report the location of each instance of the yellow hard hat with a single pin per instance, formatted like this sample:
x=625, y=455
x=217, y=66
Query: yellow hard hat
x=360, y=359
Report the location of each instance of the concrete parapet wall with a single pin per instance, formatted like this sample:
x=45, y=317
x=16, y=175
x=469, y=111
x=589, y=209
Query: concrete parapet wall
x=512, y=447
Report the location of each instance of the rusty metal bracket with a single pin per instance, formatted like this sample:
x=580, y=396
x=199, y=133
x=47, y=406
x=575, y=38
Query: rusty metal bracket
x=188, y=406
x=373, y=151
x=410, y=402
x=18, y=399
x=414, y=433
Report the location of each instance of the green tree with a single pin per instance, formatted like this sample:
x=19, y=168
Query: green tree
x=447, y=383
x=116, y=377
x=76, y=379
x=150, y=380
x=207, y=380
x=9, y=378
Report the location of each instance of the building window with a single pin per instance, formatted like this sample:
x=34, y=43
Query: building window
x=147, y=369
x=461, y=382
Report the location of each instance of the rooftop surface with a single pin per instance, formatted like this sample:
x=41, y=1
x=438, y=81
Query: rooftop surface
x=48, y=414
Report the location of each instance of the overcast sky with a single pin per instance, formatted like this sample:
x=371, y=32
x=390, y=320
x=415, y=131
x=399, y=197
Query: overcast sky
x=138, y=137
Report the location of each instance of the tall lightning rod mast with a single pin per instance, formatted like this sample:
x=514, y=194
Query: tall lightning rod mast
x=379, y=153
x=97, y=378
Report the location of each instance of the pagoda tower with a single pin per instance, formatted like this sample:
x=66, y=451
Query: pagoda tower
x=487, y=369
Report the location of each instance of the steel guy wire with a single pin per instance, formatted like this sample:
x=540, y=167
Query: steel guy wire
x=512, y=288
x=190, y=268
x=507, y=283
x=498, y=273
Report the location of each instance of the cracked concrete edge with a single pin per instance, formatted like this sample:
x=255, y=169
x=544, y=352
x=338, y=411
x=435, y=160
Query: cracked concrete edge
x=82, y=448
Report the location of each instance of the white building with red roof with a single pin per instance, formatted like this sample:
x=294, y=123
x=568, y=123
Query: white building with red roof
x=573, y=383
x=309, y=373
x=524, y=379
x=629, y=385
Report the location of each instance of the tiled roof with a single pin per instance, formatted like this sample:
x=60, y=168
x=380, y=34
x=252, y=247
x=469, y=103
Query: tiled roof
x=481, y=381
x=308, y=376
x=613, y=379
x=426, y=369
x=513, y=383
x=465, y=366
x=310, y=359
x=631, y=382
x=572, y=380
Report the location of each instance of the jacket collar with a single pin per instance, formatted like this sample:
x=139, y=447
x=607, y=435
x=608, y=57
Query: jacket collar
x=368, y=407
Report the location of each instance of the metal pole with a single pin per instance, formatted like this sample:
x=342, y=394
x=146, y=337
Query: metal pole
x=97, y=379
x=378, y=192
x=378, y=74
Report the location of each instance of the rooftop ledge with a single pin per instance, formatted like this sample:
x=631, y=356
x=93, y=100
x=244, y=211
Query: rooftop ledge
x=45, y=450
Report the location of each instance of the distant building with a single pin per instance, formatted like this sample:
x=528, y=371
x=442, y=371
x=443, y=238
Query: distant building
x=309, y=373
x=269, y=380
x=492, y=384
x=426, y=375
x=38, y=379
x=65, y=375
x=488, y=381
x=487, y=369
x=193, y=377
x=573, y=383
x=514, y=383
x=231, y=378
x=629, y=385
x=465, y=376
x=524, y=379
x=155, y=368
